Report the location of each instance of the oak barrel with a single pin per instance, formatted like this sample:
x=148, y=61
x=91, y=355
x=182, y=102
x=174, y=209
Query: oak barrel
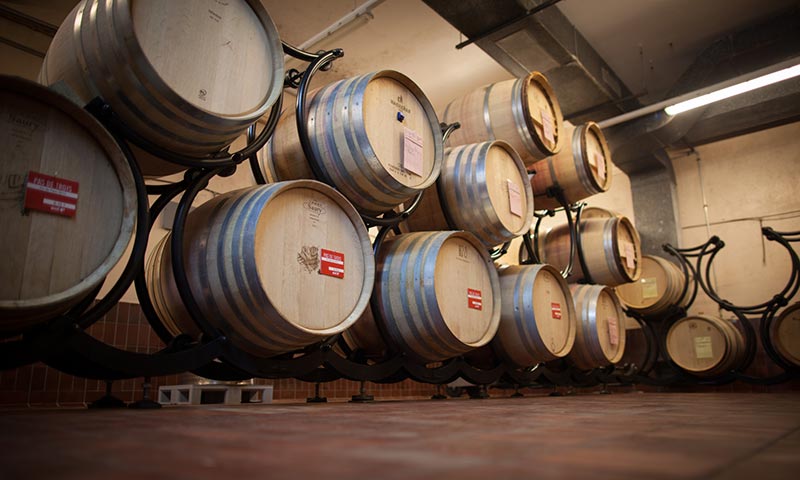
x=659, y=287
x=537, y=315
x=600, y=336
x=785, y=334
x=705, y=346
x=524, y=112
x=67, y=204
x=187, y=75
x=611, y=248
x=375, y=137
x=483, y=189
x=437, y=295
x=581, y=169
x=275, y=267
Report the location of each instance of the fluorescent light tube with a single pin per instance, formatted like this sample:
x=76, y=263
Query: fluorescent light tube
x=728, y=92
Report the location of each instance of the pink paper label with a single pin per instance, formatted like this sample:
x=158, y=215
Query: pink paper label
x=412, y=151
x=601, y=165
x=613, y=332
x=630, y=255
x=555, y=310
x=547, y=127
x=514, y=198
x=50, y=194
x=331, y=263
x=474, y=299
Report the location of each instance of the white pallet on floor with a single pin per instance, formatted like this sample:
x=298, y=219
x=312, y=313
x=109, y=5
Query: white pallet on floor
x=191, y=394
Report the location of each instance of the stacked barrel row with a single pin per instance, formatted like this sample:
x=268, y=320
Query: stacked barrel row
x=279, y=267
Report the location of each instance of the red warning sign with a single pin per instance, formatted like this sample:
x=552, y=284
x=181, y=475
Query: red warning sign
x=555, y=310
x=331, y=263
x=50, y=194
x=474, y=299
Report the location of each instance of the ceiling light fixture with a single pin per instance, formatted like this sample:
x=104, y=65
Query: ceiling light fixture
x=728, y=92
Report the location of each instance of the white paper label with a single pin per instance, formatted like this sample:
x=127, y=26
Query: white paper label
x=514, y=198
x=702, y=347
x=412, y=151
x=649, y=287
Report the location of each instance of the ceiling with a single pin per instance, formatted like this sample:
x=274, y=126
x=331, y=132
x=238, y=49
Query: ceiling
x=604, y=57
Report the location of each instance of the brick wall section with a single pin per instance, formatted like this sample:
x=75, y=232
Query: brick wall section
x=125, y=327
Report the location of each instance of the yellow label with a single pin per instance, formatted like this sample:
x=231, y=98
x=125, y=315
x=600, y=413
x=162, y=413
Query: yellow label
x=649, y=287
x=702, y=347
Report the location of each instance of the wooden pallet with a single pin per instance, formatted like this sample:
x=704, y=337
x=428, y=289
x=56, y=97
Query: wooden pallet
x=192, y=394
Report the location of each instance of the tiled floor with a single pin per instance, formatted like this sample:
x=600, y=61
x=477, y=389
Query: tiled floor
x=623, y=435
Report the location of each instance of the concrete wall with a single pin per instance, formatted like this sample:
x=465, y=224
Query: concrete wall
x=748, y=181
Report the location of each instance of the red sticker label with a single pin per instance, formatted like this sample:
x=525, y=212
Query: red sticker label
x=50, y=194
x=474, y=299
x=555, y=310
x=331, y=263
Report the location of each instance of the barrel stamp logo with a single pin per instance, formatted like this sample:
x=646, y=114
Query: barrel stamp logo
x=23, y=126
x=463, y=253
x=316, y=210
x=11, y=186
x=309, y=258
x=202, y=94
x=399, y=104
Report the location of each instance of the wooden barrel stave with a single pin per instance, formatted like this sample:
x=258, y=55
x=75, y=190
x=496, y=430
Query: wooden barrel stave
x=472, y=193
x=240, y=256
x=605, y=245
x=527, y=335
x=785, y=334
x=575, y=169
x=357, y=129
x=660, y=286
x=511, y=111
x=600, y=336
x=102, y=50
x=705, y=346
x=417, y=276
x=58, y=259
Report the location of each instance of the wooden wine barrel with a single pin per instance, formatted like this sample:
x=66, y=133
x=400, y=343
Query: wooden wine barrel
x=611, y=248
x=537, y=316
x=483, y=189
x=375, y=138
x=524, y=112
x=660, y=286
x=705, y=346
x=437, y=295
x=600, y=336
x=187, y=75
x=581, y=170
x=276, y=267
x=67, y=204
x=785, y=334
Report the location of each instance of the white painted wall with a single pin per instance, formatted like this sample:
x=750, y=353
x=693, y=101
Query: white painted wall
x=749, y=181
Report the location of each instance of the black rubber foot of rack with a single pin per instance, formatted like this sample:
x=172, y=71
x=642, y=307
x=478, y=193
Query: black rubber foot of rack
x=317, y=400
x=362, y=398
x=517, y=395
x=145, y=405
x=556, y=394
x=438, y=396
x=108, y=401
